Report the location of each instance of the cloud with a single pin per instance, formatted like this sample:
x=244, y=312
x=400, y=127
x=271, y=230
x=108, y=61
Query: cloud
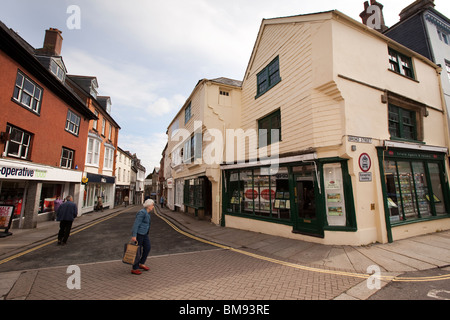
x=148, y=149
x=132, y=87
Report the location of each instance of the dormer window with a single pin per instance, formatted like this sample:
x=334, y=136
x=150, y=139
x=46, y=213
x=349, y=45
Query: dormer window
x=57, y=70
x=94, y=89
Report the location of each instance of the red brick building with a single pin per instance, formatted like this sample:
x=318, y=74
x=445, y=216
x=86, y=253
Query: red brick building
x=44, y=127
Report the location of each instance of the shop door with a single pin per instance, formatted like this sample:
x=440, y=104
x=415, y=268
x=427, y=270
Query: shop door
x=307, y=218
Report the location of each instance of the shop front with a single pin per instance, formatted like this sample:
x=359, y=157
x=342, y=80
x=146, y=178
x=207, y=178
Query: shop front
x=32, y=189
x=305, y=194
x=415, y=189
x=197, y=197
x=98, y=190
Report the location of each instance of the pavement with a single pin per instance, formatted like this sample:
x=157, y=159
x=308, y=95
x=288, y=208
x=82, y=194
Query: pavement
x=391, y=260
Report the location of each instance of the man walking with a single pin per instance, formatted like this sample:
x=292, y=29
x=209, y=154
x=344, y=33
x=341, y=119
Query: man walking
x=66, y=214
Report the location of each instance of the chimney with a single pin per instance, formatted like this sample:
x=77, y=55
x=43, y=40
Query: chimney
x=373, y=17
x=417, y=6
x=52, y=43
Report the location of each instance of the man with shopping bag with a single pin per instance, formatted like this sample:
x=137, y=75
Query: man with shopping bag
x=140, y=234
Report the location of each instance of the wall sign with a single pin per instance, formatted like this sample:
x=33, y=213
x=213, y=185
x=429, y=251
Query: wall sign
x=365, y=163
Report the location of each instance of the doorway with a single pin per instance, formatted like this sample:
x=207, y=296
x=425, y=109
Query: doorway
x=307, y=218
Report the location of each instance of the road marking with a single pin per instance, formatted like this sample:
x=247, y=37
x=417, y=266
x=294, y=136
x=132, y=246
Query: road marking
x=298, y=266
x=435, y=294
x=89, y=225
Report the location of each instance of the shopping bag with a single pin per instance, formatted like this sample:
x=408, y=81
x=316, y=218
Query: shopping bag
x=131, y=253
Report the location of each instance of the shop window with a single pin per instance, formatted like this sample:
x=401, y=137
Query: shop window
x=334, y=195
x=413, y=190
x=436, y=184
x=400, y=64
x=194, y=193
x=27, y=93
x=11, y=194
x=67, y=156
x=402, y=123
x=259, y=193
x=268, y=77
x=19, y=143
x=269, y=129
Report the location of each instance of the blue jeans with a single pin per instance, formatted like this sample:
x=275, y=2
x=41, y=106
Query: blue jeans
x=145, y=246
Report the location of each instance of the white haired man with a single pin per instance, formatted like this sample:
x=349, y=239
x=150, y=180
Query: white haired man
x=140, y=231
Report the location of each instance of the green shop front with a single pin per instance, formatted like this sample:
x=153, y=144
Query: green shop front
x=415, y=186
x=307, y=194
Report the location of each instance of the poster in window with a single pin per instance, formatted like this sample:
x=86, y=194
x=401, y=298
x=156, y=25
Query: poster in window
x=335, y=198
x=6, y=213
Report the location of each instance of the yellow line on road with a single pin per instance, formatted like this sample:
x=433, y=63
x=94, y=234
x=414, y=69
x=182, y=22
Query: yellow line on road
x=20, y=254
x=305, y=268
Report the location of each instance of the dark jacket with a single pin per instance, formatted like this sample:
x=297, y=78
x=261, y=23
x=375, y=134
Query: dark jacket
x=68, y=211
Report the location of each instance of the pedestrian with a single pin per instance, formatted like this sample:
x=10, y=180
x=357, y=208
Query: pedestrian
x=140, y=234
x=126, y=199
x=162, y=201
x=58, y=203
x=66, y=214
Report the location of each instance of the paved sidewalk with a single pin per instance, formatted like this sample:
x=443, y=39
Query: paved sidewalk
x=414, y=254
x=419, y=253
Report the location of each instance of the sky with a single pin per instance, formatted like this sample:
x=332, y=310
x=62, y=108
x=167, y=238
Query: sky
x=148, y=55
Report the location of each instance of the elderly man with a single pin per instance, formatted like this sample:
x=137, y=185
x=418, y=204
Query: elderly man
x=66, y=214
x=141, y=229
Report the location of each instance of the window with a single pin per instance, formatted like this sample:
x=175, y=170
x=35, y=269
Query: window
x=401, y=64
x=27, y=93
x=103, y=127
x=95, y=123
x=73, y=123
x=268, y=77
x=402, y=123
x=108, y=162
x=258, y=193
x=67, y=158
x=413, y=189
x=443, y=36
x=18, y=145
x=93, y=152
x=447, y=67
x=57, y=70
x=187, y=113
x=269, y=129
x=192, y=148
x=110, y=132
x=194, y=193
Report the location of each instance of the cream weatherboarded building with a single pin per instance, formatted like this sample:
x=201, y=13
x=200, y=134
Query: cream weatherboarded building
x=195, y=147
x=359, y=134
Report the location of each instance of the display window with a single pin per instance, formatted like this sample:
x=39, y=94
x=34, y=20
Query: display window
x=257, y=192
x=11, y=193
x=414, y=189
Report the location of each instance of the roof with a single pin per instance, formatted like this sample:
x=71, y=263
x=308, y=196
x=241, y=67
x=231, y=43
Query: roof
x=227, y=81
x=24, y=54
x=221, y=80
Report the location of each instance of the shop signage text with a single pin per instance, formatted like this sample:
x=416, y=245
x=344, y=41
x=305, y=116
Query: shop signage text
x=22, y=172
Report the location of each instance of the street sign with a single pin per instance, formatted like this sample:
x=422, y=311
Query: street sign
x=365, y=163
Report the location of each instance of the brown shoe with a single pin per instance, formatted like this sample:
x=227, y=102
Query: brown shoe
x=137, y=272
x=145, y=268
